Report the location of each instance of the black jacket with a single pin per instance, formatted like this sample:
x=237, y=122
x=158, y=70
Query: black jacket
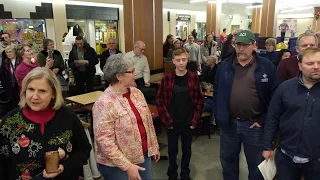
x=104, y=56
x=208, y=74
x=294, y=112
x=9, y=89
x=89, y=54
x=58, y=60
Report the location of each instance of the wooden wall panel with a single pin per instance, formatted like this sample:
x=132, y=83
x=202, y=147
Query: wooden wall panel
x=158, y=23
x=256, y=20
x=147, y=27
x=128, y=24
x=213, y=15
x=268, y=18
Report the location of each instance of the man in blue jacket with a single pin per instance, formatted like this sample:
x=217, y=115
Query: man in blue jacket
x=243, y=88
x=294, y=112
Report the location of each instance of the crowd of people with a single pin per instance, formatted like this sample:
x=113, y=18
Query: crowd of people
x=256, y=96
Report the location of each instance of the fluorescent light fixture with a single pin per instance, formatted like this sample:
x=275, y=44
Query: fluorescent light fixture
x=283, y=16
x=297, y=9
x=256, y=6
x=30, y=27
x=196, y=1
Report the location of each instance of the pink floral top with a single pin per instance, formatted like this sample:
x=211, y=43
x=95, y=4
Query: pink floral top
x=117, y=138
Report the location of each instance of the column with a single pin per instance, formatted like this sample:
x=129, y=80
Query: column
x=60, y=22
x=256, y=20
x=213, y=17
x=143, y=21
x=316, y=22
x=268, y=18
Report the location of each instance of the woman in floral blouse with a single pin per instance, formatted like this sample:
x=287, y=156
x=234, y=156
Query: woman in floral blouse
x=125, y=139
x=42, y=124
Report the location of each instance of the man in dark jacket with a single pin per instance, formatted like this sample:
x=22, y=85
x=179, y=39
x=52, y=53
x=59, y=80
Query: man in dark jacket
x=82, y=59
x=243, y=88
x=288, y=68
x=294, y=112
x=112, y=49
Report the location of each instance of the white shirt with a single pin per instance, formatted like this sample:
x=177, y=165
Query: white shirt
x=13, y=62
x=141, y=66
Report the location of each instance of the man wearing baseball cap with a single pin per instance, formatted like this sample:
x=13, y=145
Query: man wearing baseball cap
x=243, y=88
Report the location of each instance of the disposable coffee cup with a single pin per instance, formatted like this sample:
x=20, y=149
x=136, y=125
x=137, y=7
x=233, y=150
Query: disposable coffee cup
x=52, y=161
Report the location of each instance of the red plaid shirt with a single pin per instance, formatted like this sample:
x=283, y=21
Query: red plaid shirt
x=165, y=94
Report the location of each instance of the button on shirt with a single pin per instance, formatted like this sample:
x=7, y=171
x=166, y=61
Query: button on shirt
x=141, y=66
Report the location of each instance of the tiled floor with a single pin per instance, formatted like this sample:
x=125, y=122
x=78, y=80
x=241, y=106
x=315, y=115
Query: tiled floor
x=205, y=162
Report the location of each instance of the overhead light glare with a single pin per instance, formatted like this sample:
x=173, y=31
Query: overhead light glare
x=196, y=1
x=256, y=6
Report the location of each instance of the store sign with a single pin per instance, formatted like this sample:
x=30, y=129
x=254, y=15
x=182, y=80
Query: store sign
x=183, y=17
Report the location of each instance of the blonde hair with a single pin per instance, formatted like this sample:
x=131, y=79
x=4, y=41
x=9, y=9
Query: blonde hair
x=271, y=41
x=308, y=51
x=53, y=82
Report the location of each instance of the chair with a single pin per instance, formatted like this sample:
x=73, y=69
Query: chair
x=97, y=84
x=206, y=123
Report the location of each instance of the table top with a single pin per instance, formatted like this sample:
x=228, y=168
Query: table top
x=85, y=99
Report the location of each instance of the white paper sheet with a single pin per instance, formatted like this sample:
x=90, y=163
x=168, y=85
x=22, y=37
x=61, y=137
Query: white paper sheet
x=268, y=169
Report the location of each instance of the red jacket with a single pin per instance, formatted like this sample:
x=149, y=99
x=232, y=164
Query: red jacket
x=288, y=68
x=165, y=94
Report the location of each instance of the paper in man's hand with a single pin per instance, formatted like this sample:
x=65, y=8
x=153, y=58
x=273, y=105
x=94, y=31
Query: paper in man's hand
x=268, y=169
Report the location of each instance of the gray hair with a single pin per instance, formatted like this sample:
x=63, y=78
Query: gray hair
x=307, y=34
x=11, y=47
x=115, y=40
x=116, y=64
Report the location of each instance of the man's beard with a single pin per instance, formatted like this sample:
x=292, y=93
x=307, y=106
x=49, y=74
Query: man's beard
x=242, y=57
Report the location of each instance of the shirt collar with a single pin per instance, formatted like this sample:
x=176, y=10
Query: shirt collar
x=236, y=62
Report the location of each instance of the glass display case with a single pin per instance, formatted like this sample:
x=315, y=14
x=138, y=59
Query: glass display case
x=201, y=30
x=182, y=29
x=105, y=30
x=30, y=31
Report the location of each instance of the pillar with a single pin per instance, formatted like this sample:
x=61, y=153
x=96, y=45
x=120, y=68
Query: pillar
x=316, y=22
x=268, y=18
x=60, y=22
x=143, y=21
x=213, y=17
x=256, y=20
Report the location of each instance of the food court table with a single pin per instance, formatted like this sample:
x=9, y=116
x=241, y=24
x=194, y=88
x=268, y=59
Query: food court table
x=85, y=99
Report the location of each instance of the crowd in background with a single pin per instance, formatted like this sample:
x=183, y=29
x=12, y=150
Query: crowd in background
x=251, y=104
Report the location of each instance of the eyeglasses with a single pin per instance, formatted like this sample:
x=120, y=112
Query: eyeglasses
x=141, y=48
x=130, y=72
x=112, y=43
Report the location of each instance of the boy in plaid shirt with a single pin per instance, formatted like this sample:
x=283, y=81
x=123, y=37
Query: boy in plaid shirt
x=180, y=104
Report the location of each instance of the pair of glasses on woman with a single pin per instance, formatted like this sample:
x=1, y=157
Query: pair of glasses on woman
x=130, y=72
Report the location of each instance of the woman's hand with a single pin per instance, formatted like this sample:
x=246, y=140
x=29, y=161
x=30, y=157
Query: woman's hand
x=55, y=70
x=133, y=172
x=156, y=157
x=53, y=175
x=49, y=62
